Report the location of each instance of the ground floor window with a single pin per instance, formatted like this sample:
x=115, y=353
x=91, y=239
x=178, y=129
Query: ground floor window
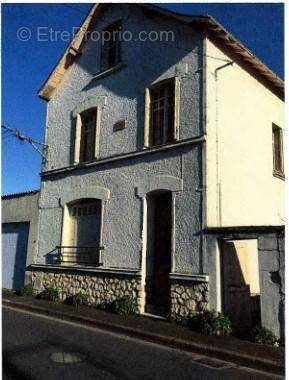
x=82, y=240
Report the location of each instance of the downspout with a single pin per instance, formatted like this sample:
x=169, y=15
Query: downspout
x=202, y=263
x=218, y=182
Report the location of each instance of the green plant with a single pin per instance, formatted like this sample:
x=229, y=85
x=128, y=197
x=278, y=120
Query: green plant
x=262, y=335
x=211, y=323
x=77, y=299
x=125, y=305
x=27, y=290
x=49, y=294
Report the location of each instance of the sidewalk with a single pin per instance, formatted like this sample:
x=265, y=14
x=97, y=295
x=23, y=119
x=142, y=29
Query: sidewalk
x=268, y=359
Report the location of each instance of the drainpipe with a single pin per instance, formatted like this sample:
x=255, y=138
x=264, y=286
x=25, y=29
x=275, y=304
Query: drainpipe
x=218, y=182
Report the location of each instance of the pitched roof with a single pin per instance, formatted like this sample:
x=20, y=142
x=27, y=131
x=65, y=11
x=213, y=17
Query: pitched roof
x=215, y=31
x=19, y=195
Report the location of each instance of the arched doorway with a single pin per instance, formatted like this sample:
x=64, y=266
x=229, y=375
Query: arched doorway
x=158, y=258
x=82, y=237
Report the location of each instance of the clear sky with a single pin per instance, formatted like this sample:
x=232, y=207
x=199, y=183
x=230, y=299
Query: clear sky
x=26, y=65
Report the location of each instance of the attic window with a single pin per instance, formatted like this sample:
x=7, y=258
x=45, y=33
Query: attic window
x=110, y=48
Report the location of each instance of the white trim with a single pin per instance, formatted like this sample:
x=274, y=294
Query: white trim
x=177, y=108
x=77, y=268
x=95, y=102
x=161, y=182
x=218, y=277
x=143, y=254
x=97, y=132
x=173, y=232
x=95, y=192
x=77, y=139
x=147, y=118
x=189, y=277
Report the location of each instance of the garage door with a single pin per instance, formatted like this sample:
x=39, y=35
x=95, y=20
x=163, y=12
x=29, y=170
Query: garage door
x=14, y=253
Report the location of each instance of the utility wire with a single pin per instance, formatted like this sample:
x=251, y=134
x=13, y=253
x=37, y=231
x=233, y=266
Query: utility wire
x=20, y=136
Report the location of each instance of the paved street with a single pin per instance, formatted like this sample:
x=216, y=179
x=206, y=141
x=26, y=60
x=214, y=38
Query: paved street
x=33, y=345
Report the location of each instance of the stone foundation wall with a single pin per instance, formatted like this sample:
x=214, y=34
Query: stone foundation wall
x=99, y=287
x=187, y=298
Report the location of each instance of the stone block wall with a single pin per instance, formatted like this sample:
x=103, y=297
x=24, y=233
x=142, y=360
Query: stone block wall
x=187, y=298
x=99, y=287
x=272, y=282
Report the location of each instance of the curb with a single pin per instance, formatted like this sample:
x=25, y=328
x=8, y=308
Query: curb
x=218, y=353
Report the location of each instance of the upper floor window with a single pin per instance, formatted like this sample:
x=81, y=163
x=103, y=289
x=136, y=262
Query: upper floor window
x=278, y=162
x=162, y=112
x=111, y=47
x=87, y=142
x=87, y=135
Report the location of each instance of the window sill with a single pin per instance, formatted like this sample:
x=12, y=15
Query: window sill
x=109, y=71
x=161, y=145
x=279, y=175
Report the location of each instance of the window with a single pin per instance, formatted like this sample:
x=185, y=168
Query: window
x=87, y=142
x=110, y=48
x=278, y=164
x=87, y=136
x=162, y=113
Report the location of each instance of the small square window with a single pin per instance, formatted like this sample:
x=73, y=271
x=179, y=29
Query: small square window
x=278, y=162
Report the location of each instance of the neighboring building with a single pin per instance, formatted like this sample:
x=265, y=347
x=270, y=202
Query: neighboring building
x=161, y=182
x=19, y=237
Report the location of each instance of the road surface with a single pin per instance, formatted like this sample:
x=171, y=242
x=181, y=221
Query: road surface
x=40, y=347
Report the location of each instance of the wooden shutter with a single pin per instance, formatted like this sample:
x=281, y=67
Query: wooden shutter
x=77, y=139
x=97, y=132
x=177, y=109
x=147, y=118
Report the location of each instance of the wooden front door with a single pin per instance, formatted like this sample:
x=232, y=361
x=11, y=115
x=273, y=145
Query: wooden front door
x=160, y=296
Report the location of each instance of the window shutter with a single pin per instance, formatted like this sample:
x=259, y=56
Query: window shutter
x=147, y=118
x=77, y=139
x=97, y=132
x=177, y=108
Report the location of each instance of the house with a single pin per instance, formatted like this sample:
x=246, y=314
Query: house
x=19, y=237
x=160, y=181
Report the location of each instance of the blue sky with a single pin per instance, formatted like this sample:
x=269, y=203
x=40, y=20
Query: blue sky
x=26, y=65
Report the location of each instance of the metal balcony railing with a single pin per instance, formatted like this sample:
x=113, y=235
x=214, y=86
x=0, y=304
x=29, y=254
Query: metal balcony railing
x=90, y=256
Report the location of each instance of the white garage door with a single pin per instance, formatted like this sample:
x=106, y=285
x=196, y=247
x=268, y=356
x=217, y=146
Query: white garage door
x=14, y=253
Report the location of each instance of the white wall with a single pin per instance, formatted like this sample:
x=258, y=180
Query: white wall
x=241, y=188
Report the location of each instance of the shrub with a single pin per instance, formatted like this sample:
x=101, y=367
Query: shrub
x=262, y=335
x=49, y=294
x=211, y=323
x=125, y=305
x=77, y=299
x=27, y=290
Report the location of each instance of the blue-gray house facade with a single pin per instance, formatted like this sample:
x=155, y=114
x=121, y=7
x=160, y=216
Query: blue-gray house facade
x=125, y=215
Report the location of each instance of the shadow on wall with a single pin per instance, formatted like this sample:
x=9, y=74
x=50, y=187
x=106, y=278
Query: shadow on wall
x=239, y=301
x=144, y=61
x=51, y=257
